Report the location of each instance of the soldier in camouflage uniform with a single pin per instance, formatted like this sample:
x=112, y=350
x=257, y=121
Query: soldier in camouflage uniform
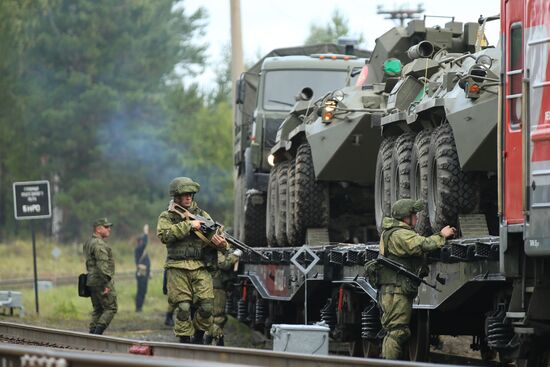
x=188, y=259
x=100, y=266
x=396, y=292
x=222, y=277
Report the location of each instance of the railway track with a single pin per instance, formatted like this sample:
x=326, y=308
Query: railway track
x=53, y=340
x=62, y=280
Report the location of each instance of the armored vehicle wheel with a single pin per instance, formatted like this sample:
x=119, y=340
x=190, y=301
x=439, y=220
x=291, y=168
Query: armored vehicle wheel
x=311, y=209
x=271, y=207
x=280, y=219
x=290, y=203
x=382, y=183
x=419, y=178
x=450, y=191
x=401, y=167
x=371, y=349
x=419, y=343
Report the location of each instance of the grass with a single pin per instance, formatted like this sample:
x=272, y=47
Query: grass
x=17, y=261
x=61, y=308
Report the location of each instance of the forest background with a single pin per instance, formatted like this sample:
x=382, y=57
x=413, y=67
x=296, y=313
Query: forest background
x=97, y=97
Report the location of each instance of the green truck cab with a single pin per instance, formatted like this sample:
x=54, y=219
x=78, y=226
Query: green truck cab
x=265, y=95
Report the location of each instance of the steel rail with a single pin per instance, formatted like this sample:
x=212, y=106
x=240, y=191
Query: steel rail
x=26, y=356
x=254, y=357
x=64, y=280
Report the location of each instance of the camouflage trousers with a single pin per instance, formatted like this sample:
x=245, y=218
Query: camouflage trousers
x=218, y=313
x=396, y=316
x=105, y=306
x=186, y=287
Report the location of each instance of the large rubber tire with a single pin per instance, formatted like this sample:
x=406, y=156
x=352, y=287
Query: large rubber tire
x=254, y=223
x=311, y=208
x=419, y=178
x=401, y=167
x=280, y=219
x=449, y=189
x=291, y=203
x=238, y=208
x=271, y=208
x=382, y=183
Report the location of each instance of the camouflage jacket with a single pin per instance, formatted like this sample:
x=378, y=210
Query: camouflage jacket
x=405, y=242
x=185, y=249
x=407, y=247
x=100, y=263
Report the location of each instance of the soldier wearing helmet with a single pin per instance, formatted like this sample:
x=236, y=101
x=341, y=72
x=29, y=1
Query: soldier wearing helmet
x=187, y=263
x=396, y=292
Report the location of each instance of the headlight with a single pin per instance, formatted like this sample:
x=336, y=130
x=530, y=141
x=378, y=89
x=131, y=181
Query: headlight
x=271, y=160
x=328, y=111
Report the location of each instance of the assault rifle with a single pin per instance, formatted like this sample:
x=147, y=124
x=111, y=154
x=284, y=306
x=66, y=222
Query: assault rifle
x=400, y=269
x=209, y=227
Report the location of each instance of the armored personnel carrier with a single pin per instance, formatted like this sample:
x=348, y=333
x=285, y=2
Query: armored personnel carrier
x=325, y=184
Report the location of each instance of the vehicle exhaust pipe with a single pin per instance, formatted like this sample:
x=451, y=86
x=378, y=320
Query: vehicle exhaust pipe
x=422, y=50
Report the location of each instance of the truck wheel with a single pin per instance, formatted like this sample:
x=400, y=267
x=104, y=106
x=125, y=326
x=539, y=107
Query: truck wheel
x=311, y=209
x=401, y=167
x=419, y=178
x=382, y=181
x=271, y=207
x=450, y=191
x=238, y=208
x=291, y=203
x=254, y=222
x=280, y=219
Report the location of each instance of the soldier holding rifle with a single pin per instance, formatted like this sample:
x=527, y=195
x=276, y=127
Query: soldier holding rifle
x=190, y=254
x=396, y=291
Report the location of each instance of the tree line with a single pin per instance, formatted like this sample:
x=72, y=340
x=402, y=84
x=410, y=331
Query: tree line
x=92, y=99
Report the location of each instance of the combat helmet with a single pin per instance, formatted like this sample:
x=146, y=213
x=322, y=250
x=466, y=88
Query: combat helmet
x=182, y=185
x=404, y=207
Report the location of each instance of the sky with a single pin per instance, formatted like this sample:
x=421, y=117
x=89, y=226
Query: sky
x=267, y=25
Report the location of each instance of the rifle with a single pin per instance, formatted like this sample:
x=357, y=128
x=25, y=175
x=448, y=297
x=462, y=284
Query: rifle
x=400, y=269
x=209, y=227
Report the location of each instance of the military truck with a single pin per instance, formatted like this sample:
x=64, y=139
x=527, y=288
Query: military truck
x=324, y=186
x=265, y=94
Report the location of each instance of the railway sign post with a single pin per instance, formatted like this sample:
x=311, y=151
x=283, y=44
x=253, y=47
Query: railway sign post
x=305, y=259
x=31, y=200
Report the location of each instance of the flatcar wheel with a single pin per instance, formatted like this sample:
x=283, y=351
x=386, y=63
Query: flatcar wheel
x=356, y=348
x=371, y=349
x=419, y=344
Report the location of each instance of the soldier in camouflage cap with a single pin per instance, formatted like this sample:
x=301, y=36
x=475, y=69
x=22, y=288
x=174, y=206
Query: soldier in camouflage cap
x=187, y=263
x=100, y=266
x=396, y=292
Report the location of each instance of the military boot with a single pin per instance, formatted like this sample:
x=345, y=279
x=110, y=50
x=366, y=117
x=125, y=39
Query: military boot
x=169, y=321
x=220, y=342
x=92, y=329
x=185, y=339
x=208, y=339
x=198, y=338
x=99, y=329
